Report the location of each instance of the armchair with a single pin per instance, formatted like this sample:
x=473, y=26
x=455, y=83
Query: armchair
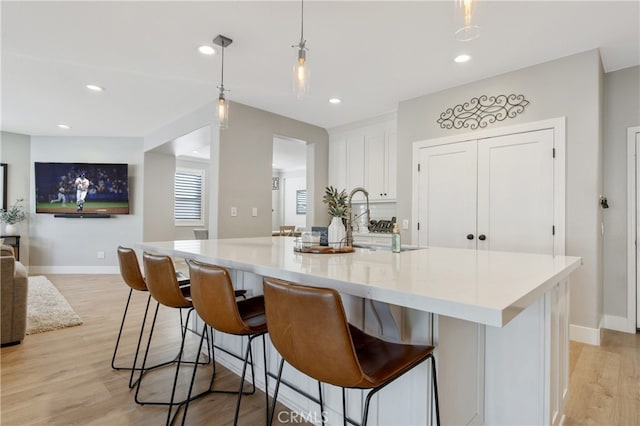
x=13, y=298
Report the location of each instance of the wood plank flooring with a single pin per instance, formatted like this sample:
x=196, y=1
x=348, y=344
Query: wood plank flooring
x=64, y=377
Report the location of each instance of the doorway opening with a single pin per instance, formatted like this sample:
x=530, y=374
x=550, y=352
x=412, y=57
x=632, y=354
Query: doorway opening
x=289, y=184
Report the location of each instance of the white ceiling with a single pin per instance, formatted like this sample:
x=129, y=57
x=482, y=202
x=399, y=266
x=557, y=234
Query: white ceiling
x=370, y=54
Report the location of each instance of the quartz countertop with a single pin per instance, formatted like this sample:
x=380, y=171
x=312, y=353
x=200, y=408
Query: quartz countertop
x=486, y=287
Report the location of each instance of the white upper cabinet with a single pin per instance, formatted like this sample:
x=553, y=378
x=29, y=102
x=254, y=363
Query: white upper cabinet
x=365, y=156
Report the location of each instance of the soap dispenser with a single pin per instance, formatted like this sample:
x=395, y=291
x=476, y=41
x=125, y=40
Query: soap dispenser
x=395, y=239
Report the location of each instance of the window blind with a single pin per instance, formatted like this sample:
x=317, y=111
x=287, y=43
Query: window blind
x=301, y=201
x=188, y=195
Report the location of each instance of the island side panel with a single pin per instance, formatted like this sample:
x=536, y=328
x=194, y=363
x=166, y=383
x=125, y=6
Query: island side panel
x=527, y=363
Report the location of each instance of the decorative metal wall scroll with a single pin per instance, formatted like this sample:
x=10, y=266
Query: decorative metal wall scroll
x=481, y=111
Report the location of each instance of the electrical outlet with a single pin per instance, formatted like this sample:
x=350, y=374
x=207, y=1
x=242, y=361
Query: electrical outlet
x=405, y=224
x=100, y=255
x=254, y=212
x=234, y=211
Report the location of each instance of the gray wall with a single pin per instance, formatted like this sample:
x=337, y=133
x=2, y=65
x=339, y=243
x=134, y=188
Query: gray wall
x=246, y=152
x=158, y=223
x=569, y=87
x=60, y=245
x=239, y=172
x=622, y=110
x=15, y=150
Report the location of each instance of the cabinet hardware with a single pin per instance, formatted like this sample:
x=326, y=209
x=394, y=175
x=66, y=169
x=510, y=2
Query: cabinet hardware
x=482, y=237
x=469, y=236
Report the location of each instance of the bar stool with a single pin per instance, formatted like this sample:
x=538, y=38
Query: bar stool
x=132, y=276
x=164, y=288
x=309, y=329
x=215, y=303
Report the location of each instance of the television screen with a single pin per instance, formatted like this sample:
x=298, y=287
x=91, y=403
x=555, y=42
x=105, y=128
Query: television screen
x=82, y=188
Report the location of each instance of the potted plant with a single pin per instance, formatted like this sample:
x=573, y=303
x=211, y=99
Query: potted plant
x=337, y=202
x=14, y=214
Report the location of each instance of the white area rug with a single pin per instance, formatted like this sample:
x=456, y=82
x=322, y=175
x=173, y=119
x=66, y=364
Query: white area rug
x=47, y=309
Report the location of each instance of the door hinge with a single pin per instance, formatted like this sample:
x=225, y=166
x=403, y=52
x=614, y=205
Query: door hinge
x=553, y=230
x=418, y=166
x=554, y=153
x=418, y=226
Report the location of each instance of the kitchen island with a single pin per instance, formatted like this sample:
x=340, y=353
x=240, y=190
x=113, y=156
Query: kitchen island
x=499, y=321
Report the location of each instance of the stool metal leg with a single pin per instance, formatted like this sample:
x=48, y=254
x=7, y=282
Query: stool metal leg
x=248, y=359
x=124, y=316
x=275, y=392
x=435, y=388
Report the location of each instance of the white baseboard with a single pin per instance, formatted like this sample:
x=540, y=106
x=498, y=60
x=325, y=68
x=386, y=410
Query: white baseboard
x=582, y=334
x=613, y=322
x=43, y=270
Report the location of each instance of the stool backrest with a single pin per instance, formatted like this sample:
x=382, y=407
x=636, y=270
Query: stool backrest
x=309, y=328
x=214, y=298
x=130, y=269
x=162, y=282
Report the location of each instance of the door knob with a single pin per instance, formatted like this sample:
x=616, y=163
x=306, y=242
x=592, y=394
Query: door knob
x=470, y=237
x=482, y=237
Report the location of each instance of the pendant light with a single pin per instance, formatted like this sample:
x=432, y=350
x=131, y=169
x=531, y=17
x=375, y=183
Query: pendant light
x=222, y=109
x=464, y=12
x=300, y=67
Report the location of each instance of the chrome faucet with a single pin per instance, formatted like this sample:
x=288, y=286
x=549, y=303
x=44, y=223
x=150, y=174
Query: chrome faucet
x=350, y=217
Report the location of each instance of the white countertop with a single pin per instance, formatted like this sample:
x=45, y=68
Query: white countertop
x=479, y=286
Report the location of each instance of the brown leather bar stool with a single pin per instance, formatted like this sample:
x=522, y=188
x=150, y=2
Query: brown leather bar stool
x=309, y=328
x=215, y=302
x=132, y=276
x=164, y=288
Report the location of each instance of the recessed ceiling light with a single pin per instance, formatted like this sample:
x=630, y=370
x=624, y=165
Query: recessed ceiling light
x=95, y=88
x=206, y=50
x=462, y=58
x=335, y=101
x=64, y=126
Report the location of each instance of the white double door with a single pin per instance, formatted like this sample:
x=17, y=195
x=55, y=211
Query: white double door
x=491, y=194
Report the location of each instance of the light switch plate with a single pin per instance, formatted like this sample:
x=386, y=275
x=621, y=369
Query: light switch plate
x=405, y=224
x=254, y=212
x=234, y=211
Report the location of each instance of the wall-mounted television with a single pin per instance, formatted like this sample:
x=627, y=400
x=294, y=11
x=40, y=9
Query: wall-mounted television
x=82, y=188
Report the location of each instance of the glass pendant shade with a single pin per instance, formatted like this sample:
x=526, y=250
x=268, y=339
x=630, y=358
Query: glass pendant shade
x=223, y=111
x=466, y=27
x=301, y=74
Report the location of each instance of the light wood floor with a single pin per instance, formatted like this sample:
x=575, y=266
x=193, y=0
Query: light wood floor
x=64, y=377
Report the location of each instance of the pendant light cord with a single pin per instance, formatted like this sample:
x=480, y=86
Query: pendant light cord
x=302, y=23
x=222, y=73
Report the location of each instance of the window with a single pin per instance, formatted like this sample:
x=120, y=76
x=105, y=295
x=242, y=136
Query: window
x=301, y=201
x=189, y=197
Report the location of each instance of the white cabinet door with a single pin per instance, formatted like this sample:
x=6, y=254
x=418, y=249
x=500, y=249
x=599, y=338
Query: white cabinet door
x=365, y=157
x=376, y=168
x=490, y=194
x=447, y=201
x=391, y=163
x=515, y=192
x=338, y=163
x=355, y=170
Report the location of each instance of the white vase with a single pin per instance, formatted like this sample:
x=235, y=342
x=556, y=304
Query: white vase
x=336, y=234
x=10, y=229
